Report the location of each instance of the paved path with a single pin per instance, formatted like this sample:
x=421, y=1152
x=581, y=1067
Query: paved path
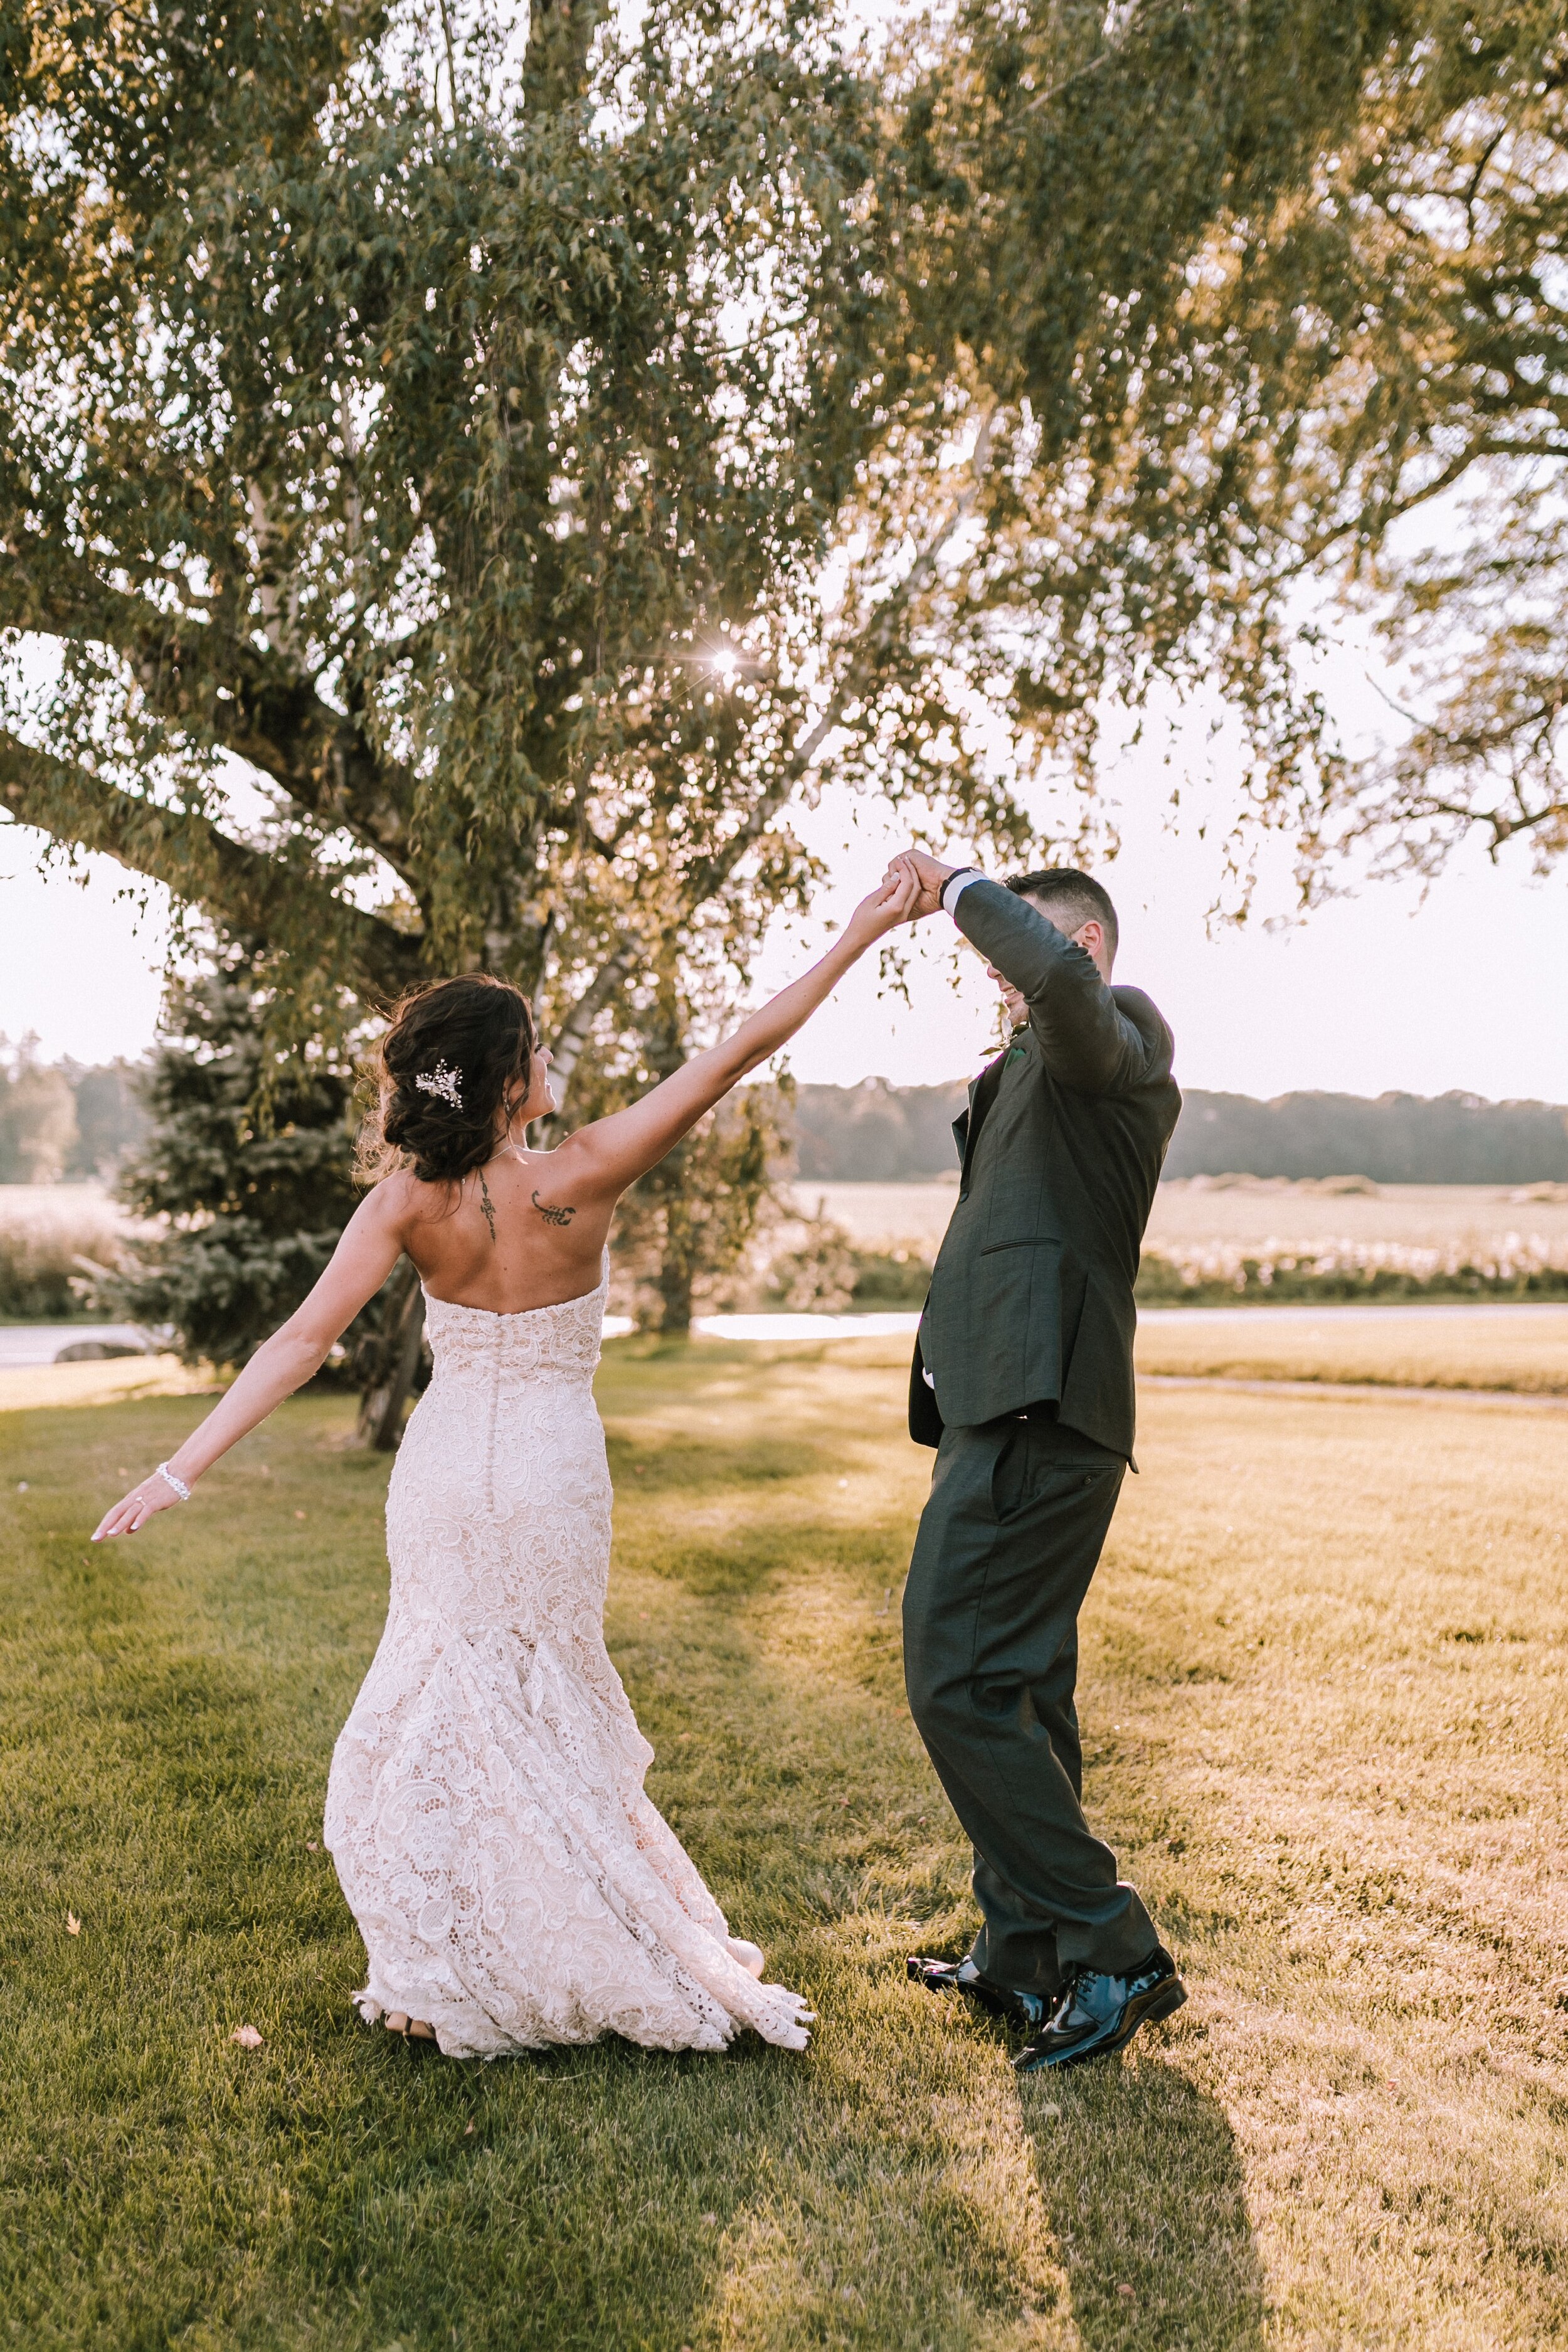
x=23, y=1344
x=26, y=1344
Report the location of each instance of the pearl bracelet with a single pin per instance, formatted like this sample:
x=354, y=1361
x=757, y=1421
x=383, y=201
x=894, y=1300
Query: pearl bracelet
x=179, y=1485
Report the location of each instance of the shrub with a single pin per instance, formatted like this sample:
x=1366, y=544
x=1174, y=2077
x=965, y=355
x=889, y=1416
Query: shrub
x=1221, y=1273
x=817, y=1278
x=827, y=1275
x=887, y=1279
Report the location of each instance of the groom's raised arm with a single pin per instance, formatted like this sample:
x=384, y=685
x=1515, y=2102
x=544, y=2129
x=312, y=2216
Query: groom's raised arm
x=1087, y=1042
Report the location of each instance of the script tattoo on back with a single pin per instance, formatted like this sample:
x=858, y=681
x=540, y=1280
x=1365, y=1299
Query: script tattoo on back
x=554, y=1216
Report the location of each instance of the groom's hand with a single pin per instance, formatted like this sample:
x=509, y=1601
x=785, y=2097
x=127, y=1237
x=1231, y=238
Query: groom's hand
x=931, y=876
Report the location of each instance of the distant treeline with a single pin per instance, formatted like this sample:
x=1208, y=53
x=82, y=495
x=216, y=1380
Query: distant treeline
x=64, y=1119
x=1455, y=1139
x=876, y=1132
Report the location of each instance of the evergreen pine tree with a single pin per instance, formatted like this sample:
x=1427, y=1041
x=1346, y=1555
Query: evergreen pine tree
x=256, y=1180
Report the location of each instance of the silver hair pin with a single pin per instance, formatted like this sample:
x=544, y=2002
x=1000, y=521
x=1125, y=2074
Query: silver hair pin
x=443, y=1082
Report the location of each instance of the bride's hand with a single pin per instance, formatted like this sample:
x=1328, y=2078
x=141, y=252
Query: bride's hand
x=893, y=902
x=133, y=1510
x=930, y=873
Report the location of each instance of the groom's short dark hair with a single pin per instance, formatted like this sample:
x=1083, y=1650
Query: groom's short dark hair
x=1078, y=897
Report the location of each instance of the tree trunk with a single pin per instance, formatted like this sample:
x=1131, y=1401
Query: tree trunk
x=394, y=1364
x=676, y=1268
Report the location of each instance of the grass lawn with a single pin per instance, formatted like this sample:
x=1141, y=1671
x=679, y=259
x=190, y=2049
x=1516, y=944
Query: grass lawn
x=1524, y=1349
x=1324, y=1701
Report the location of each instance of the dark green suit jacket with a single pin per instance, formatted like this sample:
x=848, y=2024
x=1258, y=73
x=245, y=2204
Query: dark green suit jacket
x=1031, y=1297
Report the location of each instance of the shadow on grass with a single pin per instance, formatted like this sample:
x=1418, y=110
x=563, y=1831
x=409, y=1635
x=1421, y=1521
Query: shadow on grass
x=1143, y=2183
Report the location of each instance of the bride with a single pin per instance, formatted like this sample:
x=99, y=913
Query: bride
x=485, y=1807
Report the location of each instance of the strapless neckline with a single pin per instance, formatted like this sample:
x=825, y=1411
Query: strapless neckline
x=516, y=1314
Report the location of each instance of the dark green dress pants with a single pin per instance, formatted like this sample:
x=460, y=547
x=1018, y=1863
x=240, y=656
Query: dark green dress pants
x=1008, y=1544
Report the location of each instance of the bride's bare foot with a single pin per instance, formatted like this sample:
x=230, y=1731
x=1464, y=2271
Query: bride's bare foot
x=412, y=2028
x=748, y=1955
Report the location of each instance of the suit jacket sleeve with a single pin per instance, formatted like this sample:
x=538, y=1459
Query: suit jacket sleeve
x=1087, y=1041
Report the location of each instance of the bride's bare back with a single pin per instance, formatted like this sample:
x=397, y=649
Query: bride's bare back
x=508, y=1237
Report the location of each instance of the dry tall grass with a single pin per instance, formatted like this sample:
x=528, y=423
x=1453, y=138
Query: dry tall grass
x=46, y=1229
x=1415, y=1217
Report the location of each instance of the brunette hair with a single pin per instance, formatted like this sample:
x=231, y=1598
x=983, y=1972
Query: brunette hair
x=471, y=1041
x=1079, y=897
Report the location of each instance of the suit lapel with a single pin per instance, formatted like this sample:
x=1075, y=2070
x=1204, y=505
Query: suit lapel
x=983, y=1094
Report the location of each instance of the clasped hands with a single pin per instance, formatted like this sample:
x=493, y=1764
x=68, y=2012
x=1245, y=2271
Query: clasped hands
x=912, y=886
x=930, y=876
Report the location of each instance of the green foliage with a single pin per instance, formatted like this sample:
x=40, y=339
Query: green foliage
x=879, y=1133
x=876, y=1132
x=824, y=1274
x=1363, y=384
x=254, y=1202
x=427, y=456
x=887, y=1279
x=1452, y=1139
x=1345, y=1274
x=817, y=1275
x=531, y=471
x=64, y=1118
x=685, y=1229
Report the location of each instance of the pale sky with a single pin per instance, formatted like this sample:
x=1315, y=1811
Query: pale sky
x=1380, y=990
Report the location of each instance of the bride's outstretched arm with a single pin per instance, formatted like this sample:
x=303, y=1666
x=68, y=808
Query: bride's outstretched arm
x=601, y=1159
x=371, y=1246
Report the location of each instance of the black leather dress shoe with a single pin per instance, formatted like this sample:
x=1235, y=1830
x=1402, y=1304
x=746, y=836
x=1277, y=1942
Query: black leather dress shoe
x=1029, y=2009
x=1099, y=2014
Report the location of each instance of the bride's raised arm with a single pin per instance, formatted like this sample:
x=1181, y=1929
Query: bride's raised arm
x=599, y=1161
x=597, y=1164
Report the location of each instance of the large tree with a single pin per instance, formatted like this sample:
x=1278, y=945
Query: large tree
x=528, y=475
x=420, y=453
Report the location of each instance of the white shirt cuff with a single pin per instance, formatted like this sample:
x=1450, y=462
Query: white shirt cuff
x=953, y=889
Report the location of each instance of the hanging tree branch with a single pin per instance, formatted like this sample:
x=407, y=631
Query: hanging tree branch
x=246, y=890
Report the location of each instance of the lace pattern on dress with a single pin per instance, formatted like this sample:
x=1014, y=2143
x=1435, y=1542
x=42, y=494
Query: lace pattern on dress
x=485, y=1808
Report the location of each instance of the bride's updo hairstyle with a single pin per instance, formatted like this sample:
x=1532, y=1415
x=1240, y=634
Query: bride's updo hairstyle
x=457, y=1052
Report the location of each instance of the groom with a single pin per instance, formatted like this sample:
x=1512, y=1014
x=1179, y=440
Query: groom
x=1023, y=1381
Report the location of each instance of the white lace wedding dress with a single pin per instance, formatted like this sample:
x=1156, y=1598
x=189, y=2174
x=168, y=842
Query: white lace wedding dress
x=485, y=1809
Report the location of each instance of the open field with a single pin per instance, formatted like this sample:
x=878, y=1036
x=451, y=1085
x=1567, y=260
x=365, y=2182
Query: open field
x=1324, y=1702
x=1418, y=1214
x=1414, y=1213
x=878, y=1214
x=1519, y=1349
